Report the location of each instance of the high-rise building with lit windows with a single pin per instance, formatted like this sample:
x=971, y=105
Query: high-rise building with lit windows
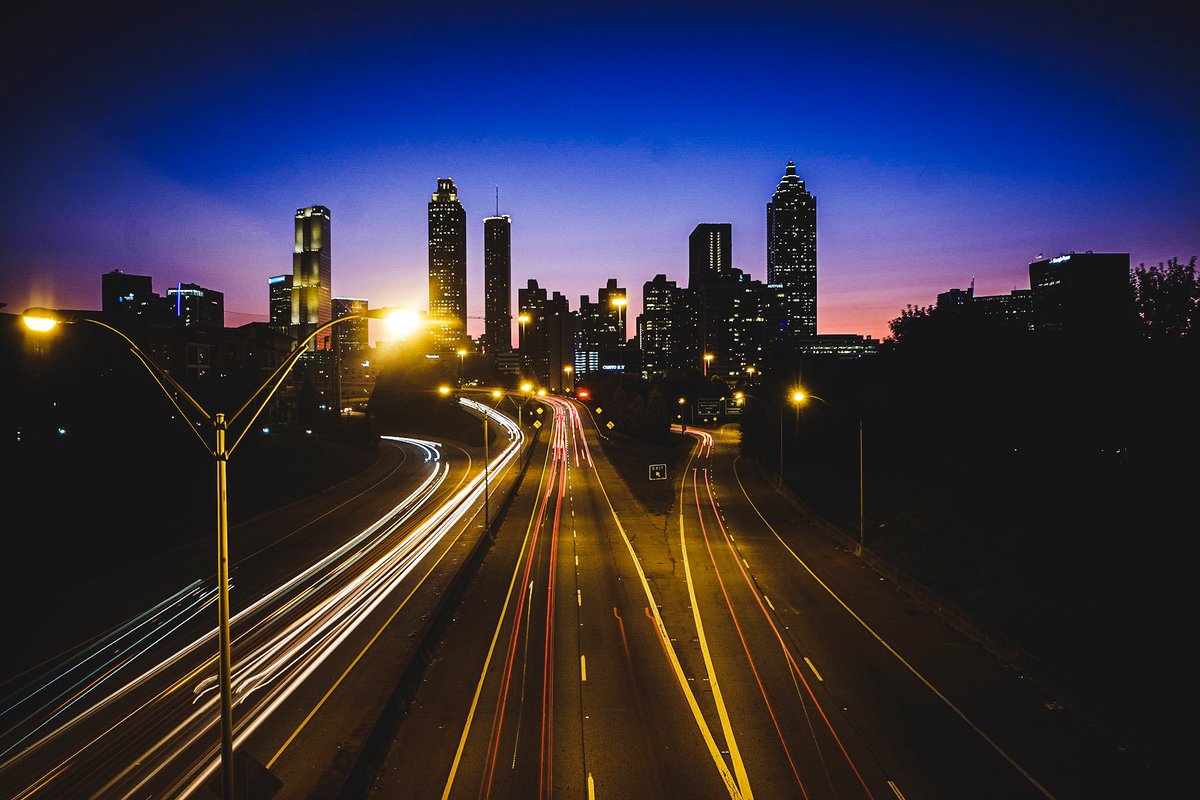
x=447, y=267
x=497, y=284
x=279, y=299
x=312, y=275
x=353, y=334
x=792, y=252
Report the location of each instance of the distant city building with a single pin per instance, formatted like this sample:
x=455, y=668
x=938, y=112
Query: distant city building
x=447, y=267
x=600, y=337
x=279, y=299
x=497, y=284
x=666, y=328
x=353, y=334
x=792, y=252
x=547, y=338
x=710, y=253
x=837, y=345
x=1082, y=293
x=130, y=298
x=1012, y=311
x=196, y=307
x=312, y=275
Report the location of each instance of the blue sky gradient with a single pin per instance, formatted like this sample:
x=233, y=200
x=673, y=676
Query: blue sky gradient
x=943, y=144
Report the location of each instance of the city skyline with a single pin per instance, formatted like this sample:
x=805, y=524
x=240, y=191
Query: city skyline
x=944, y=149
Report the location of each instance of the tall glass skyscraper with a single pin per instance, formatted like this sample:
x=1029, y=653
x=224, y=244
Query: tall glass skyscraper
x=497, y=284
x=447, y=267
x=792, y=252
x=312, y=275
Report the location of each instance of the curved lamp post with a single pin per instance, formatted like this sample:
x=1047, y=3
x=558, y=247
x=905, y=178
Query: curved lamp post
x=801, y=396
x=44, y=320
x=708, y=357
x=795, y=399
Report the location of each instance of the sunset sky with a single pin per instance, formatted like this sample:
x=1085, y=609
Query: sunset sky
x=943, y=145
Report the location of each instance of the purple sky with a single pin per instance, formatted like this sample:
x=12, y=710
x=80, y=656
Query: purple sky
x=942, y=145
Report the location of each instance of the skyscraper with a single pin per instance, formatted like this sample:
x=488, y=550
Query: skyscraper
x=279, y=297
x=447, y=266
x=497, y=284
x=312, y=275
x=710, y=252
x=792, y=252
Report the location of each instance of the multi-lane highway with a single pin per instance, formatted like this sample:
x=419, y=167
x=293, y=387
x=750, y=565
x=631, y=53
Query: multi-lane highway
x=728, y=649
x=317, y=596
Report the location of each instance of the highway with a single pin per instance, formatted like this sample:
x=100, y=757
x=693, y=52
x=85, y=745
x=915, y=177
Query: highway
x=135, y=712
x=728, y=649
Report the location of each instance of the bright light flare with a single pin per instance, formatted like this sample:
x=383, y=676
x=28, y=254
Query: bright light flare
x=38, y=323
x=401, y=323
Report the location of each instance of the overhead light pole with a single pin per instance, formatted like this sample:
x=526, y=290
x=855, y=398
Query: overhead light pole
x=497, y=396
x=801, y=397
x=43, y=320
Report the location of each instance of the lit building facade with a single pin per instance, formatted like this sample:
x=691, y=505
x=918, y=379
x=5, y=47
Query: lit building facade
x=279, y=302
x=312, y=275
x=447, y=267
x=792, y=252
x=497, y=284
x=196, y=307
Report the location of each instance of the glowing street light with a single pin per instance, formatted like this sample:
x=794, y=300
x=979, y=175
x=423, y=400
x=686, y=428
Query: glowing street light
x=619, y=303
x=708, y=357
x=43, y=320
x=797, y=397
x=570, y=387
x=462, y=358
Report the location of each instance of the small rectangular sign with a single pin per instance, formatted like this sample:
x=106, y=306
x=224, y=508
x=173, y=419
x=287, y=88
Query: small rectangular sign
x=658, y=472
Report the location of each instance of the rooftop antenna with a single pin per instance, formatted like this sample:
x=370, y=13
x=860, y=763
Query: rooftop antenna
x=497, y=200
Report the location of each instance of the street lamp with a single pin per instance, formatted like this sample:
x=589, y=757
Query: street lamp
x=497, y=396
x=527, y=390
x=691, y=414
x=570, y=387
x=619, y=303
x=462, y=358
x=523, y=318
x=796, y=398
x=861, y=539
x=43, y=320
x=708, y=357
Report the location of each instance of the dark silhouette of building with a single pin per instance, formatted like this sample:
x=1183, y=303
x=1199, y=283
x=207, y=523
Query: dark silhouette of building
x=497, y=284
x=279, y=299
x=710, y=253
x=792, y=252
x=547, y=338
x=447, y=267
x=1082, y=293
x=130, y=299
x=312, y=275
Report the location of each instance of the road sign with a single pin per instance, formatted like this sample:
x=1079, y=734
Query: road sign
x=537, y=423
x=658, y=472
x=709, y=406
x=610, y=425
